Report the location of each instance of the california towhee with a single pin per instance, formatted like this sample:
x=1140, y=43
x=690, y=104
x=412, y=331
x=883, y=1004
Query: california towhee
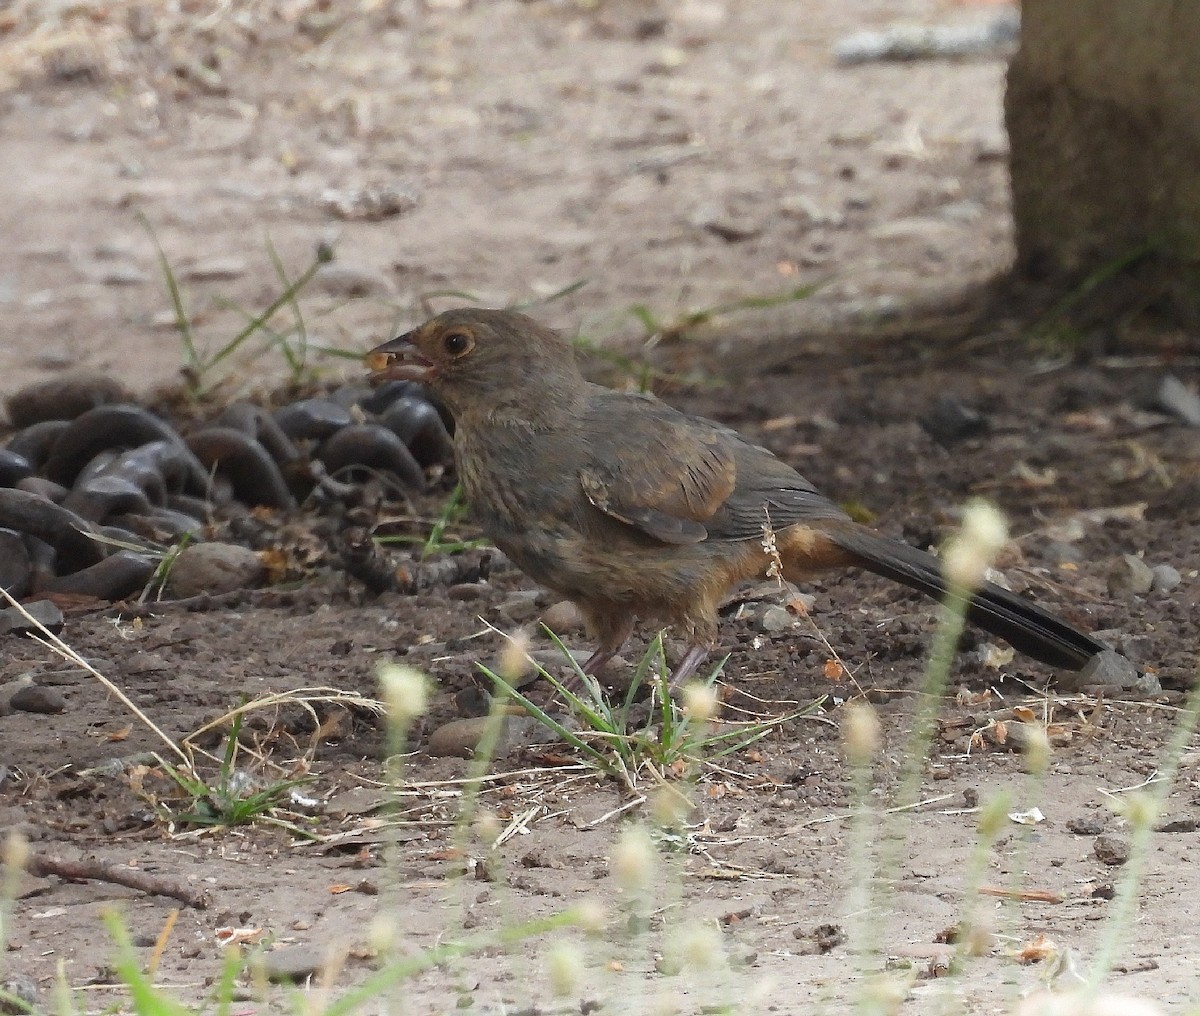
x=634, y=510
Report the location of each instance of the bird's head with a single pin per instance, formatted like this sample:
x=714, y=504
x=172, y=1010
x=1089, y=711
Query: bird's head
x=476, y=358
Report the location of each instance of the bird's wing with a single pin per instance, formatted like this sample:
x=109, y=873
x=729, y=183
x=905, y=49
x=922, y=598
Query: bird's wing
x=655, y=469
x=684, y=479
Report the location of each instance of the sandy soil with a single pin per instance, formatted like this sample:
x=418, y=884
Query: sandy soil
x=675, y=157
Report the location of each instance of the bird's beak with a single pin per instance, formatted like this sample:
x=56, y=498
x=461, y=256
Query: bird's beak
x=399, y=360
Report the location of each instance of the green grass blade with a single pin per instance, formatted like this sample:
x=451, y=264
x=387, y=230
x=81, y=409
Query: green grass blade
x=296, y=358
x=548, y=721
x=260, y=320
x=192, y=357
x=558, y=294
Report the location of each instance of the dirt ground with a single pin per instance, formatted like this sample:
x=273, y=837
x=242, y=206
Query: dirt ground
x=677, y=157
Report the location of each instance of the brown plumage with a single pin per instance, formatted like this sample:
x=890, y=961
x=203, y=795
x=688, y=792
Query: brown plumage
x=634, y=510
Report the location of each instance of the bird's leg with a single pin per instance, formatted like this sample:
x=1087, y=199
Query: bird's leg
x=613, y=632
x=592, y=666
x=695, y=655
x=595, y=663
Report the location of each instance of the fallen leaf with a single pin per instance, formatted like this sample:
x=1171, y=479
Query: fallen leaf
x=996, y=657
x=1041, y=948
x=449, y=854
x=1032, y=477
x=1022, y=895
x=236, y=936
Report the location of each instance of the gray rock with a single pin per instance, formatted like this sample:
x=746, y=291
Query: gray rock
x=950, y=421
x=1135, y=648
x=1130, y=576
x=519, y=607
x=1164, y=578
x=1147, y=685
x=1108, y=669
x=34, y=698
x=1111, y=849
x=1086, y=825
x=293, y=964
x=20, y=986
x=1176, y=398
x=214, y=568
x=13, y=622
x=776, y=618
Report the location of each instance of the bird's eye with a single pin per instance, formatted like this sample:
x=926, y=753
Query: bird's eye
x=457, y=343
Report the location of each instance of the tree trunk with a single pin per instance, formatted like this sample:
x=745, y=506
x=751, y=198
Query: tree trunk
x=1103, y=112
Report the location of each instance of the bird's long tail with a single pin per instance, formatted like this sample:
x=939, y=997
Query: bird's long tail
x=1023, y=624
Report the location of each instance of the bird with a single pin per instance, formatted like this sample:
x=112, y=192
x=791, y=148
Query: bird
x=637, y=511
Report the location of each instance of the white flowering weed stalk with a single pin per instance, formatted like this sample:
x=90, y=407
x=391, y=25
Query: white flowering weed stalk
x=608, y=736
x=966, y=560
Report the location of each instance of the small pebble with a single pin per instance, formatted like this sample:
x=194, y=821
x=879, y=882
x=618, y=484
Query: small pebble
x=460, y=738
x=34, y=698
x=520, y=606
x=1178, y=825
x=1108, y=669
x=1086, y=825
x=950, y=421
x=776, y=618
x=1111, y=849
x=367, y=204
x=293, y=963
x=1130, y=576
x=563, y=618
x=472, y=701
x=13, y=622
x=20, y=986
x=214, y=568
x=466, y=591
x=1176, y=398
x=1164, y=578
x=457, y=738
